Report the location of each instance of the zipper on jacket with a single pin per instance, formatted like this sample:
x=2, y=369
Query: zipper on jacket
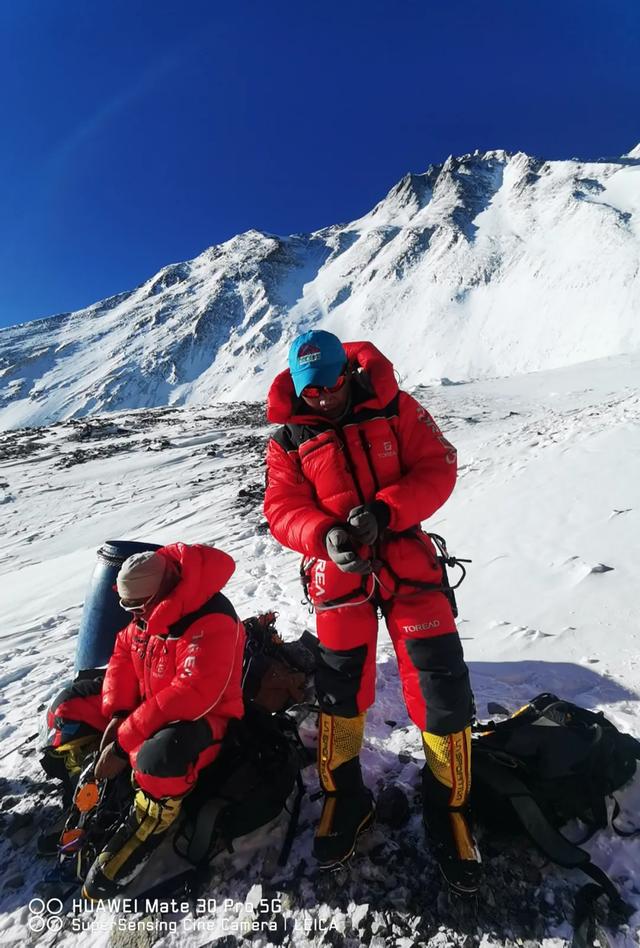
x=350, y=464
x=342, y=442
x=365, y=448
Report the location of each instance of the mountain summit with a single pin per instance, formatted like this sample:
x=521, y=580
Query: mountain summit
x=489, y=264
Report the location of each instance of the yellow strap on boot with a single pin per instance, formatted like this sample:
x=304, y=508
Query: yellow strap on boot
x=75, y=751
x=339, y=740
x=153, y=816
x=449, y=759
x=162, y=812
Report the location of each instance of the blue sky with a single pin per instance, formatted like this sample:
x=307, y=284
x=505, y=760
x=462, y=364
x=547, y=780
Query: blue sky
x=137, y=133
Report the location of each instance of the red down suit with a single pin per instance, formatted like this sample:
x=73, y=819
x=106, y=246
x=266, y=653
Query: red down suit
x=386, y=448
x=175, y=680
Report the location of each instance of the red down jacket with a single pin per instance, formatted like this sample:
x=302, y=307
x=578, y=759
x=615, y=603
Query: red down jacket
x=160, y=677
x=387, y=448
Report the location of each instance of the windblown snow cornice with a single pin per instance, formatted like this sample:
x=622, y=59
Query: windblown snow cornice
x=487, y=265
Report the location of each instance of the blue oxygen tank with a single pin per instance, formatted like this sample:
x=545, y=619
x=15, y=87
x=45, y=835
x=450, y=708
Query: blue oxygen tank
x=102, y=615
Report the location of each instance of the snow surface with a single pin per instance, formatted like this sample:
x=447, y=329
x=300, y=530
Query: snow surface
x=548, y=494
x=486, y=265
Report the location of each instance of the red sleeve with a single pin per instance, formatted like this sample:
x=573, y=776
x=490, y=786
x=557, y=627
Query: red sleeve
x=120, y=689
x=430, y=463
x=206, y=656
x=290, y=506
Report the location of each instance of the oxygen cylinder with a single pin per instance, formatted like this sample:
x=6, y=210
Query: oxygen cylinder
x=102, y=616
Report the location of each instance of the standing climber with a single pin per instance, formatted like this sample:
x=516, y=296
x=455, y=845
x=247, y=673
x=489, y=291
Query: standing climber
x=355, y=468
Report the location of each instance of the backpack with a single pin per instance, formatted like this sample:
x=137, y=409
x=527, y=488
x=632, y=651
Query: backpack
x=550, y=762
x=247, y=786
x=275, y=674
x=257, y=771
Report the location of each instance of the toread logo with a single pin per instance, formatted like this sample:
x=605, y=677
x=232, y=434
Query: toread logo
x=388, y=450
x=423, y=627
x=308, y=353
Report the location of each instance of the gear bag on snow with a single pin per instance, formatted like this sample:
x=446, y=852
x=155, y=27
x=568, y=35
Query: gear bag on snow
x=551, y=762
x=258, y=768
x=247, y=786
x=275, y=674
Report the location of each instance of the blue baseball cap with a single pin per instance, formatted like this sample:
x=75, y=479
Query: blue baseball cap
x=316, y=358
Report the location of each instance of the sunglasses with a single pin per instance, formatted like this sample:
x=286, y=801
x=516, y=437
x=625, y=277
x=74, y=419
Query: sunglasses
x=134, y=605
x=315, y=391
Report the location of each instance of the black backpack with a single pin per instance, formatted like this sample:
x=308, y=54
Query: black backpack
x=247, y=786
x=275, y=674
x=548, y=763
x=258, y=769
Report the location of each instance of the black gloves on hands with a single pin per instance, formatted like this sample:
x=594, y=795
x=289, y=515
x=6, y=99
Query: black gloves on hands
x=340, y=549
x=364, y=526
x=366, y=523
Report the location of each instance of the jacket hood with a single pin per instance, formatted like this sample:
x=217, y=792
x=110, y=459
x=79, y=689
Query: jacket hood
x=283, y=403
x=204, y=570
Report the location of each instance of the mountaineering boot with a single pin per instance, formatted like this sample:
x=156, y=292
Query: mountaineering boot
x=82, y=813
x=64, y=763
x=130, y=848
x=446, y=780
x=67, y=760
x=348, y=805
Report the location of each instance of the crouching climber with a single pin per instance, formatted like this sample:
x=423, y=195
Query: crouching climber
x=171, y=686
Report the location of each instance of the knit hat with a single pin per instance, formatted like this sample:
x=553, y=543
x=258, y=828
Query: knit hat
x=140, y=576
x=316, y=358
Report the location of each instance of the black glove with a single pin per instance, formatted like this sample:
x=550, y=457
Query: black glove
x=118, y=751
x=366, y=523
x=341, y=551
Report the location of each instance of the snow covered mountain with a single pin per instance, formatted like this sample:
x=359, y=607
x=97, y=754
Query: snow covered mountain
x=487, y=265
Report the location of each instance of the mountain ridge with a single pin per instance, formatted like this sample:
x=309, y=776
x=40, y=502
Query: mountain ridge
x=488, y=264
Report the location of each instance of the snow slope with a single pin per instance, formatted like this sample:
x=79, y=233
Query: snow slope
x=548, y=493
x=486, y=265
